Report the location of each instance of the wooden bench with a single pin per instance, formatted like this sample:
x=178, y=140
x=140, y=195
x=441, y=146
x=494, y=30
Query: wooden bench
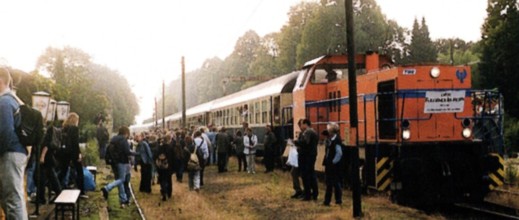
x=93, y=170
x=67, y=200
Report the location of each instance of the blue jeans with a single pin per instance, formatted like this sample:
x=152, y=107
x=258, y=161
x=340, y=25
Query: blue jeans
x=102, y=150
x=12, y=166
x=31, y=185
x=123, y=170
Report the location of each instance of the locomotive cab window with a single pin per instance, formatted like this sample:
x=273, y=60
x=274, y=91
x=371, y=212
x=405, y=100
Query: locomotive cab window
x=328, y=73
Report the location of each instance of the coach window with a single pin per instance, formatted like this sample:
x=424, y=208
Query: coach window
x=257, y=110
x=264, y=111
x=234, y=118
x=276, y=110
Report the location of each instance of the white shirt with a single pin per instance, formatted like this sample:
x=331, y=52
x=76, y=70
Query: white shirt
x=250, y=148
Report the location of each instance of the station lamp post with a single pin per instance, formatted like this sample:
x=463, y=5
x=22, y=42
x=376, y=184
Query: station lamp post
x=52, y=110
x=49, y=109
x=41, y=101
x=62, y=109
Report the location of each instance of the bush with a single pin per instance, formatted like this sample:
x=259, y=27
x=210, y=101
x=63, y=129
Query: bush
x=511, y=132
x=87, y=131
x=511, y=173
x=91, y=153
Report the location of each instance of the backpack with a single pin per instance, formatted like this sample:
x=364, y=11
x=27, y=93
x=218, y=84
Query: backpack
x=111, y=155
x=55, y=139
x=30, y=130
x=162, y=162
x=194, y=164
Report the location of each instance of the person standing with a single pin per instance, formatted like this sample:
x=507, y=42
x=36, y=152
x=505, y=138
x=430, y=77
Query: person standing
x=238, y=143
x=120, y=155
x=71, y=154
x=250, y=141
x=51, y=143
x=332, y=163
x=307, y=145
x=270, y=149
x=102, y=137
x=200, y=148
x=164, y=162
x=212, y=137
x=223, y=144
x=146, y=159
x=13, y=155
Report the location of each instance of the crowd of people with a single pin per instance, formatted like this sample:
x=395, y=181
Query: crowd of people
x=160, y=154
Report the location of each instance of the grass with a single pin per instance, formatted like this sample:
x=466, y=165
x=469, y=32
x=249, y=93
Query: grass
x=236, y=195
x=96, y=207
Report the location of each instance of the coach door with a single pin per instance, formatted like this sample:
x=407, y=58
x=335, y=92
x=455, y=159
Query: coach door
x=386, y=110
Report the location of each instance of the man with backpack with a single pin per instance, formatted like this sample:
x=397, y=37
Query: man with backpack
x=119, y=154
x=49, y=163
x=13, y=155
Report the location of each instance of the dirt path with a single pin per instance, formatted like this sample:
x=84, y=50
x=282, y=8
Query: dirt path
x=234, y=195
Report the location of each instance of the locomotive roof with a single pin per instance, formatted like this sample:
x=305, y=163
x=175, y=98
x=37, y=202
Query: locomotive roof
x=272, y=87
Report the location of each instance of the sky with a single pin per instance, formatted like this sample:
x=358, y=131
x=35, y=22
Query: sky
x=144, y=40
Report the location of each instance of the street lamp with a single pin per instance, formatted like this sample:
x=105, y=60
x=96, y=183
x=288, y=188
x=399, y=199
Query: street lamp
x=41, y=102
x=52, y=110
x=62, y=109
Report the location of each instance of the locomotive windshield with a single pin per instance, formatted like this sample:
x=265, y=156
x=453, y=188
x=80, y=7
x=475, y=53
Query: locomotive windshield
x=328, y=73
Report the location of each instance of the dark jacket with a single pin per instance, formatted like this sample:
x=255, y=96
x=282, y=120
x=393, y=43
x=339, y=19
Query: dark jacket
x=223, y=142
x=70, y=141
x=333, y=152
x=102, y=135
x=269, y=142
x=238, y=143
x=169, y=151
x=121, y=150
x=307, y=143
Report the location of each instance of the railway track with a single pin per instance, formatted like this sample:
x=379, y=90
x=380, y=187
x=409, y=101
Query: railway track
x=489, y=210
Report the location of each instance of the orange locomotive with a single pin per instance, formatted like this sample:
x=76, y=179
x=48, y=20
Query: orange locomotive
x=424, y=134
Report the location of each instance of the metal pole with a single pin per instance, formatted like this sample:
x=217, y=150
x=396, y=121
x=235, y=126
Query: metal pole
x=163, y=105
x=156, y=115
x=354, y=121
x=183, y=93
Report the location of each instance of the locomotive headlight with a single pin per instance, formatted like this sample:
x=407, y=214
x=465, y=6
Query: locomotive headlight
x=406, y=134
x=467, y=132
x=435, y=72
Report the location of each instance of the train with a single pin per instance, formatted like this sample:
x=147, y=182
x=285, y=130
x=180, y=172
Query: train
x=424, y=134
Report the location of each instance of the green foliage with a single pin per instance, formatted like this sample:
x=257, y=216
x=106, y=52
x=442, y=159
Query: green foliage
x=499, y=57
x=511, y=127
x=91, y=153
x=89, y=88
x=421, y=49
x=87, y=132
x=511, y=173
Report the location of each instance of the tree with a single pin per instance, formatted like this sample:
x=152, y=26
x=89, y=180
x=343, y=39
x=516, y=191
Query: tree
x=421, y=49
x=88, y=87
x=500, y=60
x=290, y=35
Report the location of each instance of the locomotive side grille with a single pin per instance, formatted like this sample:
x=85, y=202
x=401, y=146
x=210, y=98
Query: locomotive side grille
x=384, y=167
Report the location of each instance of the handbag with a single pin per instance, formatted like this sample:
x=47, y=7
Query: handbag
x=194, y=164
